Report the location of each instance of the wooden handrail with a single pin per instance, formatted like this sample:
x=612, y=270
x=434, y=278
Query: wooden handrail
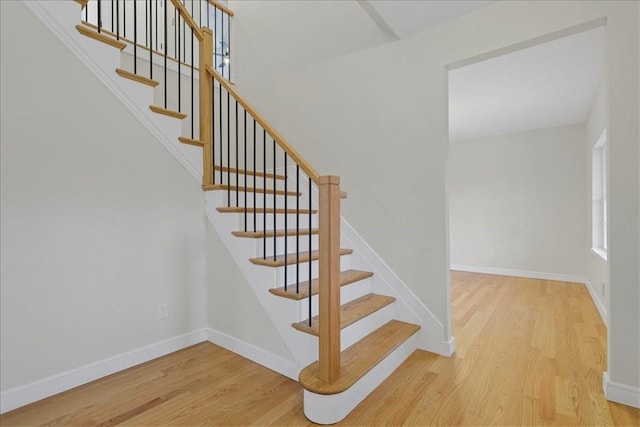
x=222, y=7
x=292, y=152
x=188, y=19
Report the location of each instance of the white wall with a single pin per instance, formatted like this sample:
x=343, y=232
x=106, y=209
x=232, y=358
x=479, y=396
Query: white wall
x=517, y=201
x=377, y=116
x=596, y=267
x=99, y=223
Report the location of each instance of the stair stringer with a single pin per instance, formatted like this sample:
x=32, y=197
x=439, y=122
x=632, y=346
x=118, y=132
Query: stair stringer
x=61, y=17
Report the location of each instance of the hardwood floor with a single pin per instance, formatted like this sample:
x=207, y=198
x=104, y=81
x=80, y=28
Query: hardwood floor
x=528, y=352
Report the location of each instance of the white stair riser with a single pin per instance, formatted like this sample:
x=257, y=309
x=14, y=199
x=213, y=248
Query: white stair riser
x=261, y=199
x=265, y=222
x=347, y=293
x=302, y=245
x=302, y=273
x=329, y=409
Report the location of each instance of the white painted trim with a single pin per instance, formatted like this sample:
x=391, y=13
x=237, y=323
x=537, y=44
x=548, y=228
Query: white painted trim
x=37, y=390
x=519, y=273
x=332, y=408
x=596, y=301
x=262, y=357
x=68, y=37
x=620, y=393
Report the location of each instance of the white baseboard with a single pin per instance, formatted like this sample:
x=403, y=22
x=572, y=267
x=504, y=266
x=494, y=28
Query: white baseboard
x=255, y=354
x=620, y=393
x=519, y=273
x=597, y=302
x=37, y=390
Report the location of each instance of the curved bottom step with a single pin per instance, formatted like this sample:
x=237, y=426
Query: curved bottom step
x=331, y=408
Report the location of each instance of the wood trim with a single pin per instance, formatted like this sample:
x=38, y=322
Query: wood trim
x=248, y=172
x=136, y=78
x=205, y=89
x=191, y=141
x=100, y=37
x=346, y=278
x=270, y=233
x=82, y=3
x=222, y=7
x=292, y=152
x=329, y=275
x=251, y=210
x=188, y=18
x=350, y=312
x=140, y=46
x=279, y=261
x=360, y=358
x=249, y=189
x=166, y=112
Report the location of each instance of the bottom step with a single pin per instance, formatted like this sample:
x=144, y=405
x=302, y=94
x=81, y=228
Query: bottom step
x=364, y=366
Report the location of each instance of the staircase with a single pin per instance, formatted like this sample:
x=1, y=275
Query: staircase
x=347, y=327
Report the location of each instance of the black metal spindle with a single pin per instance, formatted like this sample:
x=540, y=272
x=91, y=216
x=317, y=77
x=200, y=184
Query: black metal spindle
x=192, y=85
x=165, y=54
x=99, y=16
x=86, y=12
x=254, y=176
x=124, y=19
x=112, y=15
x=237, y=171
x=245, y=170
x=297, y=229
x=151, y=39
x=179, y=57
x=135, y=37
x=228, y=151
x=228, y=48
x=156, y=25
x=309, y=225
x=220, y=127
x=117, y=19
x=213, y=127
x=286, y=229
x=264, y=193
x=222, y=52
x=274, y=202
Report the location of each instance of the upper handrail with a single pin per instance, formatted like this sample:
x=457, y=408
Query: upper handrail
x=292, y=152
x=222, y=7
x=188, y=19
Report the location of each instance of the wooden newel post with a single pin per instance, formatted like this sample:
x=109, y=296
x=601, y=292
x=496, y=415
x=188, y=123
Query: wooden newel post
x=329, y=266
x=206, y=113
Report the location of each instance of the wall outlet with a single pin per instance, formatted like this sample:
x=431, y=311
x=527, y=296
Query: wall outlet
x=163, y=311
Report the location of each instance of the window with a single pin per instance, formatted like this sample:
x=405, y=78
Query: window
x=600, y=170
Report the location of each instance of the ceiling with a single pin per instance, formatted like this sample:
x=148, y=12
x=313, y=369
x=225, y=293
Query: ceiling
x=551, y=84
x=405, y=17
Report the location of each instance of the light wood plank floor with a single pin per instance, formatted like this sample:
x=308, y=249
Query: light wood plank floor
x=529, y=352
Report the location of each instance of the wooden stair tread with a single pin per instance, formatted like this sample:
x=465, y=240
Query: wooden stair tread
x=191, y=141
x=167, y=112
x=137, y=78
x=278, y=233
x=249, y=172
x=350, y=312
x=360, y=358
x=279, y=260
x=85, y=31
x=242, y=189
x=346, y=278
x=250, y=210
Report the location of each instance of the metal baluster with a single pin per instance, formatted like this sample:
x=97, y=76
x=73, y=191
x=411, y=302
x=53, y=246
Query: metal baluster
x=165, y=54
x=245, y=170
x=237, y=171
x=192, y=97
x=228, y=151
x=99, y=16
x=274, y=201
x=309, y=251
x=297, y=229
x=151, y=39
x=264, y=193
x=220, y=112
x=254, y=176
x=135, y=37
x=286, y=229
